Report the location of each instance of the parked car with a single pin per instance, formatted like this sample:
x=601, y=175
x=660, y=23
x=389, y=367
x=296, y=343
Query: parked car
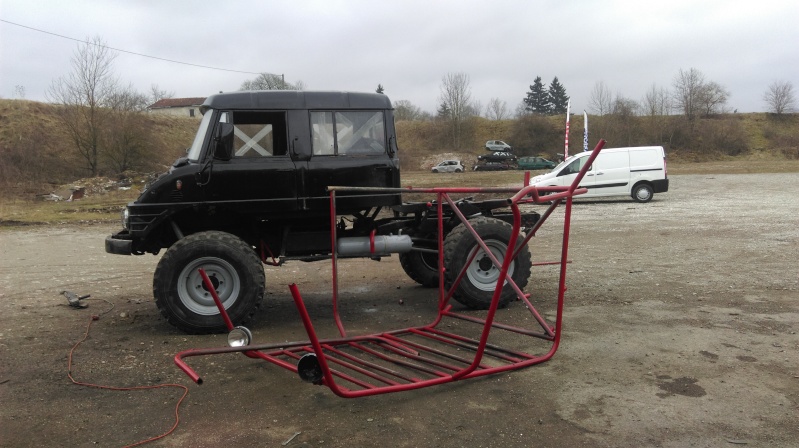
x=498, y=157
x=498, y=145
x=638, y=172
x=493, y=166
x=449, y=166
x=535, y=163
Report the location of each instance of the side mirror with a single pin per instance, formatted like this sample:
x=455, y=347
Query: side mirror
x=223, y=142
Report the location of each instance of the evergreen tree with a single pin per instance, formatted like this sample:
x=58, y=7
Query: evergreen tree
x=444, y=111
x=537, y=100
x=557, y=98
x=379, y=88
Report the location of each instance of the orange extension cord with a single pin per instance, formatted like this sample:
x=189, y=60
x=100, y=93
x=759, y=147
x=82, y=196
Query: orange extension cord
x=97, y=386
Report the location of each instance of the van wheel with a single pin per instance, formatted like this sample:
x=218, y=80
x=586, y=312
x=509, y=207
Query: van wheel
x=232, y=266
x=476, y=288
x=642, y=193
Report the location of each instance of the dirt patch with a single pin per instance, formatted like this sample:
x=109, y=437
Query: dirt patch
x=680, y=329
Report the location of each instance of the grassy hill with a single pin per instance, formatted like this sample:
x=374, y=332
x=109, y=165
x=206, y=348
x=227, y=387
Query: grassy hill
x=35, y=150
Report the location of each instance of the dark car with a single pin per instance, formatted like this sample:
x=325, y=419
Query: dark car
x=535, y=163
x=493, y=166
x=498, y=157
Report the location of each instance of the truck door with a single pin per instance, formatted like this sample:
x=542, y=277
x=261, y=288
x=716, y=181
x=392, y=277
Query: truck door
x=349, y=148
x=260, y=173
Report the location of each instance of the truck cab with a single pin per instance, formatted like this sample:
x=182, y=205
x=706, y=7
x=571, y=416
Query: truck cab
x=263, y=155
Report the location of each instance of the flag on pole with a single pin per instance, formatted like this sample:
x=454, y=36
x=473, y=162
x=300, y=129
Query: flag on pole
x=585, y=131
x=566, y=147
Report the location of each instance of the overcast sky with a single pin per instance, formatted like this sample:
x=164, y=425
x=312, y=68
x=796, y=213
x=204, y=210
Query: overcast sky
x=409, y=46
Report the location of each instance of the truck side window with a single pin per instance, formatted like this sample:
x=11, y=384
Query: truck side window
x=348, y=133
x=259, y=134
x=323, y=135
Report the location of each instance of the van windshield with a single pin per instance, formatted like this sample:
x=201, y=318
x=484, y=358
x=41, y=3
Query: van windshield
x=564, y=163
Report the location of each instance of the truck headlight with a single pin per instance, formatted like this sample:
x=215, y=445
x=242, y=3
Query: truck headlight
x=125, y=218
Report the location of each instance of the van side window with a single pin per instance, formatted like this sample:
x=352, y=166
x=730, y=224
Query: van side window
x=348, y=133
x=259, y=134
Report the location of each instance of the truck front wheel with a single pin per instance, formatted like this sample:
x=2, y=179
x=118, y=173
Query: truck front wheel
x=477, y=286
x=233, y=268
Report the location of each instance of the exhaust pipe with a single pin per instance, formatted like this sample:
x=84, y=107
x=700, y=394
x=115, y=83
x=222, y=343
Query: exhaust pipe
x=380, y=245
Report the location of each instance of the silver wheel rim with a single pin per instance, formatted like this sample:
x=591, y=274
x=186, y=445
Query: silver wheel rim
x=482, y=273
x=643, y=194
x=193, y=293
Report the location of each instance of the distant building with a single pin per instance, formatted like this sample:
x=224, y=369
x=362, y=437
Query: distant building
x=180, y=107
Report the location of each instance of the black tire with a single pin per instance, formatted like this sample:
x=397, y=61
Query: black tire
x=477, y=286
x=458, y=170
x=232, y=265
x=642, y=193
x=421, y=267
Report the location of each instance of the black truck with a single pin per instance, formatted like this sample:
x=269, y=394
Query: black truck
x=253, y=189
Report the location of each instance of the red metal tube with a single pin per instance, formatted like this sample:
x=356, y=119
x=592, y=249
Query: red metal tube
x=210, y=287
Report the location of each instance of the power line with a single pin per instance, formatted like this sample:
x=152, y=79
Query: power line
x=126, y=51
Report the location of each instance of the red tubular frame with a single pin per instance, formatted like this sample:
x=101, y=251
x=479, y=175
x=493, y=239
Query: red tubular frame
x=416, y=357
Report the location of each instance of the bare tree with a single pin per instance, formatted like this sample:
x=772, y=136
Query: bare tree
x=656, y=105
x=126, y=136
x=656, y=102
x=497, y=109
x=270, y=81
x=455, y=99
x=780, y=98
x=475, y=109
x=688, y=87
x=625, y=107
x=712, y=98
x=156, y=94
x=601, y=100
x=82, y=95
x=404, y=110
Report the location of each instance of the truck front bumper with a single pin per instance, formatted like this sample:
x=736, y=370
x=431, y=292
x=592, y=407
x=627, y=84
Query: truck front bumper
x=118, y=244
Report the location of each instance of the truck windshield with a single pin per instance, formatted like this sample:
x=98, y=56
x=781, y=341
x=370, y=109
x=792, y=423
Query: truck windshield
x=197, y=145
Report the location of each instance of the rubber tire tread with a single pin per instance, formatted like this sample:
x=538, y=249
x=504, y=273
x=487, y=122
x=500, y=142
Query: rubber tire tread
x=211, y=243
x=459, y=244
x=417, y=270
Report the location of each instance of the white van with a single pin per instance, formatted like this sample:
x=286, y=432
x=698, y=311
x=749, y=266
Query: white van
x=639, y=172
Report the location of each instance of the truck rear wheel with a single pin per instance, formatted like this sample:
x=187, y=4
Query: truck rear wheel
x=477, y=286
x=233, y=268
x=421, y=267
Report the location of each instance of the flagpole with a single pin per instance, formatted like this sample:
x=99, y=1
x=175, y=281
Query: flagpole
x=566, y=147
x=585, y=131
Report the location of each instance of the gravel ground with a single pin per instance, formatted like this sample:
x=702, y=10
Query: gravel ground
x=680, y=330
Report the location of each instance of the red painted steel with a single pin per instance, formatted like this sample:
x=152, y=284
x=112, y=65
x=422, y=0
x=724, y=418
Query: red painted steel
x=421, y=356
